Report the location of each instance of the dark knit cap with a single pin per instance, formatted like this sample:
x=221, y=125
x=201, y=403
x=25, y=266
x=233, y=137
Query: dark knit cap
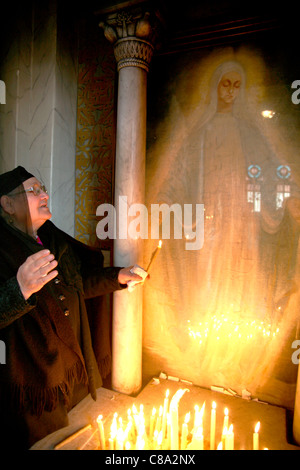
x=12, y=179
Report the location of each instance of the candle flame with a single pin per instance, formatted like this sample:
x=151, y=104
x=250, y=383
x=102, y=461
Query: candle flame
x=159, y=244
x=99, y=418
x=153, y=411
x=257, y=426
x=167, y=393
x=187, y=417
x=214, y=405
x=226, y=412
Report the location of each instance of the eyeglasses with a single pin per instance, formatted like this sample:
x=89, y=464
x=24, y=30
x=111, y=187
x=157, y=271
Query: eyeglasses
x=35, y=189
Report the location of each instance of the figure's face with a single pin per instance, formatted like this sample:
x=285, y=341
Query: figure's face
x=229, y=87
x=38, y=205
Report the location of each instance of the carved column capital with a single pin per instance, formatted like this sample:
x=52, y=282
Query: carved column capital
x=133, y=33
x=133, y=52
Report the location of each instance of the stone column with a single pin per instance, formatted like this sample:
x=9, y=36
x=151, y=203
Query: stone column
x=132, y=34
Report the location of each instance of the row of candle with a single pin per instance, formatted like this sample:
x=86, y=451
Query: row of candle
x=163, y=429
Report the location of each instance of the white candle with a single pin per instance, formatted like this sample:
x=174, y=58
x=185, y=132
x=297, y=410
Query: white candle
x=174, y=427
x=130, y=426
x=159, y=440
x=168, y=439
x=185, y=432
x=111, y=443
x=196, y=416
x=256, y=437
x=159, y=420
x=174, y=417
x=226, y=419
x=224, y=434
x=197, y=441
x=141, y=415
x=166, y=409
x=113, y=432
x=213, y=426
x=152, y=421
x=101, y=432
x=229, y=439
x=128, y=435
x=140, y=443
x=135, y=419
x=120, y=439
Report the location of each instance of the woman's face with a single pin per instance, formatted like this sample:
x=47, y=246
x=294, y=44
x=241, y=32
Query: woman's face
x=229, y=88
x=38, y=205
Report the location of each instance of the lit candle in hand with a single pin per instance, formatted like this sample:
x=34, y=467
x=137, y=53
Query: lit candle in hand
x=154, y=254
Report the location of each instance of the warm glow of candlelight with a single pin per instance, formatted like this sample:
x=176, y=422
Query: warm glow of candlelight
x=141, y=431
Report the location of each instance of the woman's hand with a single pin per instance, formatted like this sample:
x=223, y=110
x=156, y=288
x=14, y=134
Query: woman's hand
x=125, y=275
x=36, y=272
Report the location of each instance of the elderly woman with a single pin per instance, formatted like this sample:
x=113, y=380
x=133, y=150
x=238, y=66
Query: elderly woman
x=45, y=278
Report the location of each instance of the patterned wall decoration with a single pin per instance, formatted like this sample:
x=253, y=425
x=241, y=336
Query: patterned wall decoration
x=95, y=146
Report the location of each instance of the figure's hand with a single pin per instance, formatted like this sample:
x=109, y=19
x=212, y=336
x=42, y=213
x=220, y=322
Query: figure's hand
x=125, y=276
x=36, y=272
